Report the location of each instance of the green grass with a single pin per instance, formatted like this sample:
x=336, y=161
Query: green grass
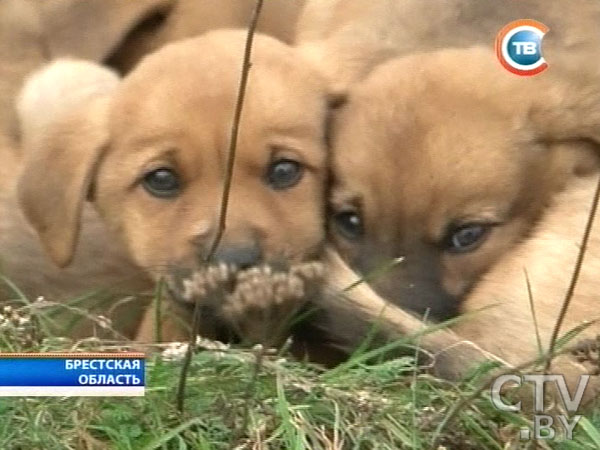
x=233, y=401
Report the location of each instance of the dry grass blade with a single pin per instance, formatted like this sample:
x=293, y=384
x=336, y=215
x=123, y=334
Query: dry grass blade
x=538, y=338
x=226, y=189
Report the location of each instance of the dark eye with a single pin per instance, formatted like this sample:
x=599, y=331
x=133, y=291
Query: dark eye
x=350, y=224
x=283, y=174
x=163, y=182
x=466, y=238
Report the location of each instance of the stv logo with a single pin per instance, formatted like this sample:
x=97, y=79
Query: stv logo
x=519, y=47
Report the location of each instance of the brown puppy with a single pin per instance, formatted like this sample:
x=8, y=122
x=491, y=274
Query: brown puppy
x=434, y=166
x=500, y=323
x=545, y=261
x=347, y=38
x=151, y=157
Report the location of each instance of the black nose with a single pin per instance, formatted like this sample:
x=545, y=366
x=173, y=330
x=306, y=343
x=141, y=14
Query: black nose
x=243, y=256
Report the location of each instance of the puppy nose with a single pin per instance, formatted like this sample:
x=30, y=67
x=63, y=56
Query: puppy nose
x=243, y=256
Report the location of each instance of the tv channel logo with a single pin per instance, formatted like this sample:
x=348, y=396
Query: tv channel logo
x=519, y=47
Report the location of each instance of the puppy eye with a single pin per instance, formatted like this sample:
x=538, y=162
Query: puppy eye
x=350, y=224
x=466, y=238
x=284, y=173
x=163, y=183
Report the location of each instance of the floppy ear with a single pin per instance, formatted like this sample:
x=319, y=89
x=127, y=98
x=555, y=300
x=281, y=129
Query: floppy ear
x=93, y=29
x=63, y=114
x=57, y=176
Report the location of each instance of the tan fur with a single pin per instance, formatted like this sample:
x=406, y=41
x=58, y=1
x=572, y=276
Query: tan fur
x=188, y=18
x=424, y=142
x=54, y=91
x=548, y=258
x=99, y=263
x=416, y=153
x=347, y=38
x=123, y=32
x=20, y=52
x=498, y=320
x=92, y=29
x=175, y=110
x=546, y=261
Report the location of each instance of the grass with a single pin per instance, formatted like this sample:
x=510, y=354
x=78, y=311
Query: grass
x=238, y=398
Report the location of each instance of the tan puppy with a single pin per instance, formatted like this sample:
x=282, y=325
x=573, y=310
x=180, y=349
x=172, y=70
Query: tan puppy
x=434, y=166
x=500, y=322
x=347, y=38
x=151, y=156
x=546, y=261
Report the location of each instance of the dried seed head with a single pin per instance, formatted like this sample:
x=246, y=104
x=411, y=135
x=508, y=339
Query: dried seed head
x=312, y=271
x=201, y=282
x=257, y=287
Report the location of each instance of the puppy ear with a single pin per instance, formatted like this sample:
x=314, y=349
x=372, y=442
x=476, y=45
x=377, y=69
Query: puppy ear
x=93, y=29
x=63, y=112
x=58, y=174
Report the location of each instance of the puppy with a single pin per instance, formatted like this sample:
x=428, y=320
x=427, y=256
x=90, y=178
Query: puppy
x=433, y=166
x=150, y=156
x=529, y=285
x=348, y=38
x=519, y=298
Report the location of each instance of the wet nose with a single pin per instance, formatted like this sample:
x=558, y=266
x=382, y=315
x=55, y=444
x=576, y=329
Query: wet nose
x=243, y=256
